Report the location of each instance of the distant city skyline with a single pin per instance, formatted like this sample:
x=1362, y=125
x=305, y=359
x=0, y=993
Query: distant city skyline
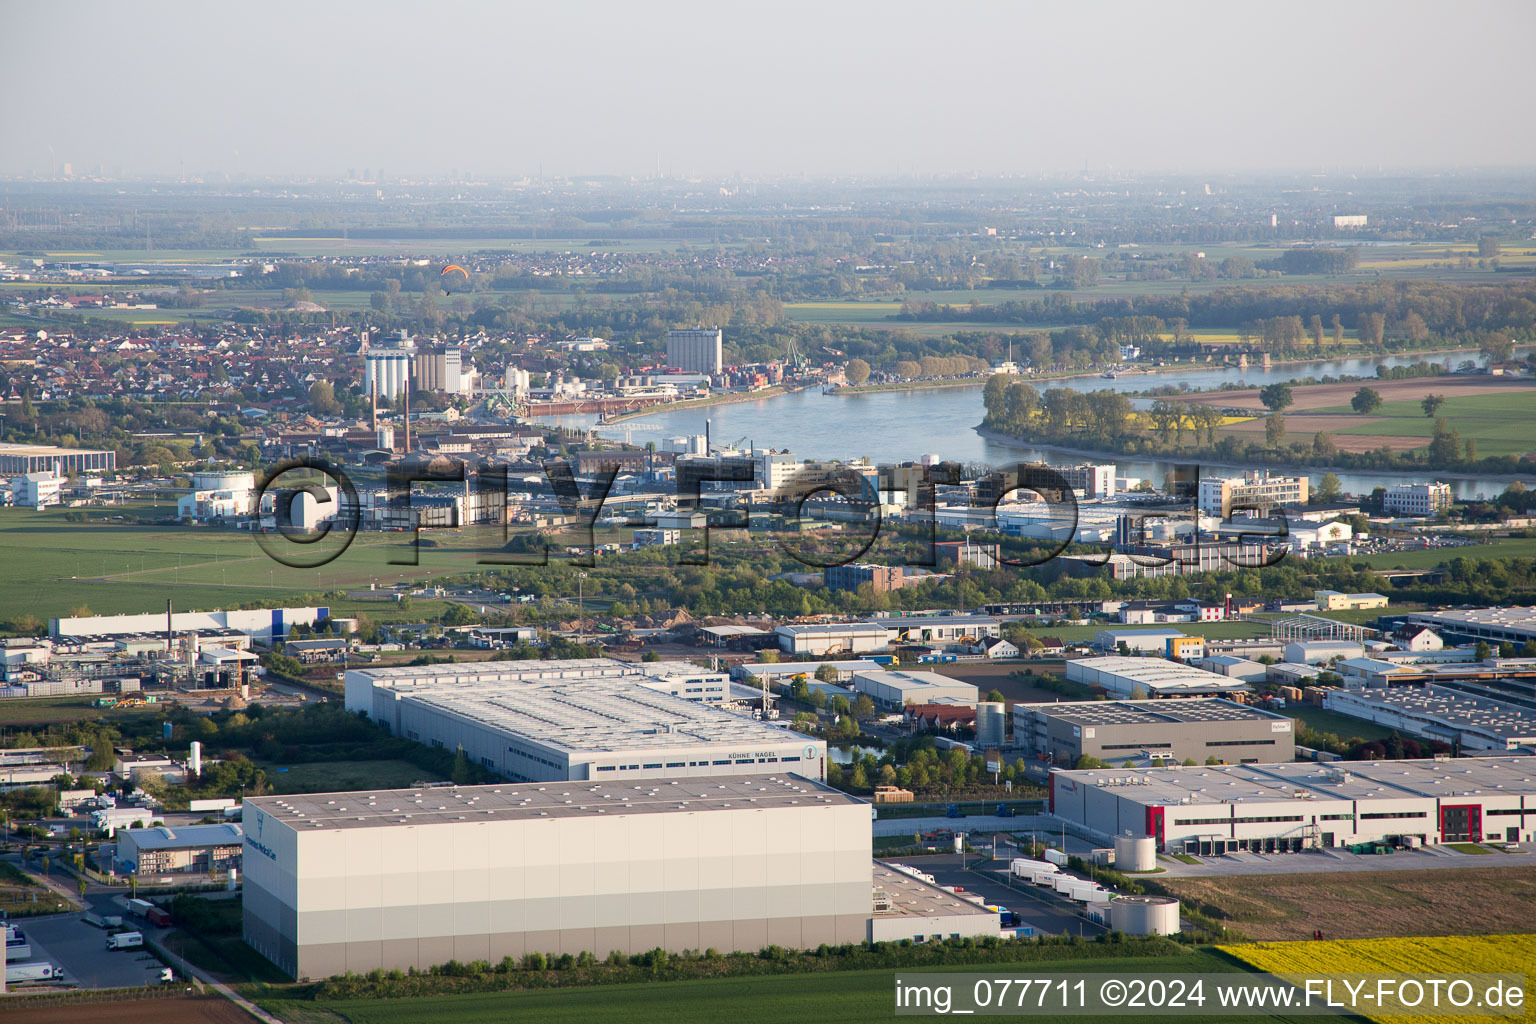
x=693, y=90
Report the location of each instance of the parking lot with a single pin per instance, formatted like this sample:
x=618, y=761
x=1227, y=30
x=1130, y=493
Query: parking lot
x=81, y=951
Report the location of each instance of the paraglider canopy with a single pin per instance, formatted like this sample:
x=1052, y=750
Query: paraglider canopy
x=445, y=279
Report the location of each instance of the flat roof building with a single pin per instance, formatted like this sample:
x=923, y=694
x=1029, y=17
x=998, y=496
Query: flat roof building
x=185, y=849
x=1515, y=624
x=1472, y=723
x=908, y=906
x=1120, y=730
x=16, y=459
x=822, y=638
x=396, y=879
x=1152, y=677
x=1303, y=804
x=587, y=718
x=895, y=690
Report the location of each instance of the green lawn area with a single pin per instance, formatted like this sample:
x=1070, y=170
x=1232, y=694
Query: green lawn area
x=1502, y=423
x=1472, y=848
x=840, y=996
x=30, y=711
x=344, y=776
x=1342, y=726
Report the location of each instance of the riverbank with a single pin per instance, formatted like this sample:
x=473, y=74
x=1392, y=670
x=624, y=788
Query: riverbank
x=913, y=385
x=703, y=403
x=1007, y=441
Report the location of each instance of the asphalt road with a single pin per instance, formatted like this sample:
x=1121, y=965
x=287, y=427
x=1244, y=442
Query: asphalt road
x=1043, y=910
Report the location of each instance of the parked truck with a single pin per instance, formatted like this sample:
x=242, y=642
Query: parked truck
x=126, y=940
x=148, y=911
x=104, y=920
x=16, y=945
x=21, y=974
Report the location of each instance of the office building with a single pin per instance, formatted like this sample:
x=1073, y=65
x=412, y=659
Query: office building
x=1335, y=600
x=580, y=719
x=17, y=459
x=1257, y=491
x=1417, y=499
x=695, y=351
x=400, y=879
x=1304, y=804
x=882, y=578
x=1128, y=730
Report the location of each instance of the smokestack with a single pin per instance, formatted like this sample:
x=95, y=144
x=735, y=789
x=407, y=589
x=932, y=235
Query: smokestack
x=169, y=632
x=407, y=393
x=707, y=424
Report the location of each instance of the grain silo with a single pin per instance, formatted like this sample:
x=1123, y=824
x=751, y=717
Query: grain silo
x=991, y=722
x=1135, y=853
x=1144, y=915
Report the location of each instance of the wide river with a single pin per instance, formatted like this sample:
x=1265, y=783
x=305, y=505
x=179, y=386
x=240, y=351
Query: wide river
x=899, y=426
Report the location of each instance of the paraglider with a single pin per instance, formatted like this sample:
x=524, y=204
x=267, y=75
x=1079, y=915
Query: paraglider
x=448, y=270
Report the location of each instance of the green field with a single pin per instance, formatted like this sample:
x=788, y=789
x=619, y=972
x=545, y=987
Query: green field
x=1501, y=424
x=842, y=996
x=114, y=567
x=1235, y=630
x=343, y=776
x=1342, y=726
x=29, y=711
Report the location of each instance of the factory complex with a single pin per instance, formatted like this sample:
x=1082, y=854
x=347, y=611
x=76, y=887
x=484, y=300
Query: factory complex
x=1152, y=731
x=589, y=718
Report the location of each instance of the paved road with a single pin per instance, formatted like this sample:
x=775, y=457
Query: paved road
x=1043, y=910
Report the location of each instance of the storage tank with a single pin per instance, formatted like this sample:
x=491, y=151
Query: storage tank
x=991, y=724
x=1144, y=915
x=195, y=758
x=1135, y=853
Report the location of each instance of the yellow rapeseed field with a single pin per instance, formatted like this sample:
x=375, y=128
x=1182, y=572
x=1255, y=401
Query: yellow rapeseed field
x=1451, y=954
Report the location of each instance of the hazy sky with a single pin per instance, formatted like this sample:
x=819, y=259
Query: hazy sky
x=505, y=89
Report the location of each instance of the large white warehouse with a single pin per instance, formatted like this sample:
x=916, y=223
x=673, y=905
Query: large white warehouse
x=1304, y=804
x=1150, y=677
x=414, y=877
x=588, y=718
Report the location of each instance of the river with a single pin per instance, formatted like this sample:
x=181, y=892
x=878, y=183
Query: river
x=900, y=426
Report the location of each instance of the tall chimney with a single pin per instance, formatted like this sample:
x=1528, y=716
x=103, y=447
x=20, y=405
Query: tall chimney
x=169, y=632
x=407, y=394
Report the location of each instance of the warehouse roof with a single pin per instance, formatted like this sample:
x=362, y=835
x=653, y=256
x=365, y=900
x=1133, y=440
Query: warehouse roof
x=1150, y=712
x=1157, y=675
x=823, y=628
x=1512, y=618
x=1356, y=780
x=914, y=897
x=579, y=705
x=532, y=801
x=1451, y=708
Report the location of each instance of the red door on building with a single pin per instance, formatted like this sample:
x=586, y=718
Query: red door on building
x=1155, y=824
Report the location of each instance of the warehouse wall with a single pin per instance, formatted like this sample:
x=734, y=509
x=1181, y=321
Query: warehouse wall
x=401, y=896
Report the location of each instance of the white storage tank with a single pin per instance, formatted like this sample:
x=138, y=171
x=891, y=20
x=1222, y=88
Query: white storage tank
x=1135, y=853
x=1144, y=915
x=991, y=723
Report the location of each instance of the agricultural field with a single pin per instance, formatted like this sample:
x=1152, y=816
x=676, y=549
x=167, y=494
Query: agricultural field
x=1370, y=904
x=841, y=996
x=209, y=1009
x=1429, y=558
x=1501, y=422
x=1418, y=957
x=25, y=712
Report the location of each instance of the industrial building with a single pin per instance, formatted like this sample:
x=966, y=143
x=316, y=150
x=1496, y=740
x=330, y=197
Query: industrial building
x=34, y=490
x=1516, y=625
x=1304, y=804
x=1471, y=723
x=263, y=624
x=1427, y=499
x=1151, y=677
x=588, y=718
x=1152, y=641
x=185, y=849
x=823, y=638
x=783, y=672
x=883, y=578
x=1131, y=730
x=895, y=690
x=695, y=351
x=908, y=906
x=396, y=879
x=17, y=459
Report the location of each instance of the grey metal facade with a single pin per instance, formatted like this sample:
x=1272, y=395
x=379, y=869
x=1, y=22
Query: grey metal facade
x=411, y=878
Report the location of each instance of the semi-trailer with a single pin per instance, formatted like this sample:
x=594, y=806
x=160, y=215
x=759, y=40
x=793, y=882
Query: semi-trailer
x=126, y=940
